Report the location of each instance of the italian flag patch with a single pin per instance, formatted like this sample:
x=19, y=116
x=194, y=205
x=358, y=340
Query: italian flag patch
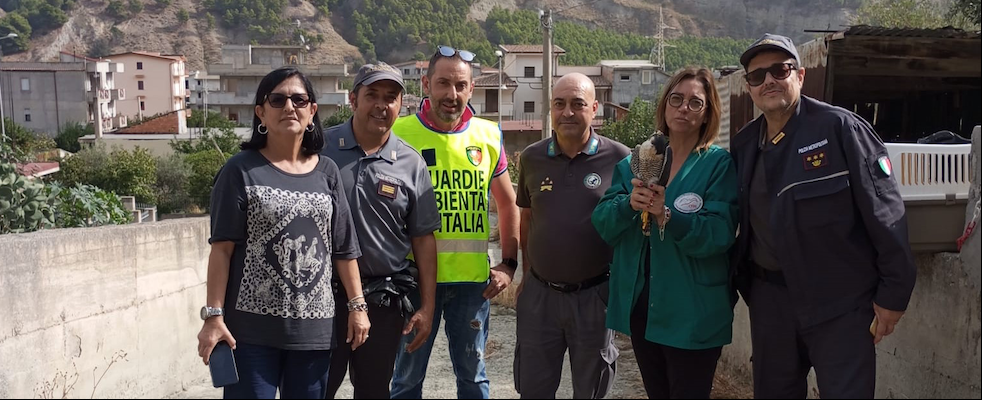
x=885, y=165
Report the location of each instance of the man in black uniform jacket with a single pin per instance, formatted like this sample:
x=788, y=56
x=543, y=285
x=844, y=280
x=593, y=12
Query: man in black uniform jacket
x=822, y=259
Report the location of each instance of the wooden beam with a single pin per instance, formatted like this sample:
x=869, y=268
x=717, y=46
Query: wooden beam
x=907, y=48
x=872, y=66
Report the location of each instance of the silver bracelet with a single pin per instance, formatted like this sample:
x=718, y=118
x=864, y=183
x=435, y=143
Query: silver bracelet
x=352, y=307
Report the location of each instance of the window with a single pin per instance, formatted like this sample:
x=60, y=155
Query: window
x=139, y=85
x=139, y=65
x=27, y=115
x=233, y=117
x=187, y=84
x=143, y=105
x=646, y=77
x=625, y=105
x=530, y=106
x=625, y=78
x=530, y=72
x=405, y=71
x=25, y=84
x=199, y=95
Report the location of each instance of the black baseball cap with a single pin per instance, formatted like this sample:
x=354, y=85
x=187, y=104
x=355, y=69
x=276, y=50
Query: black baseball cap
x=770, y=42
x=371, y=73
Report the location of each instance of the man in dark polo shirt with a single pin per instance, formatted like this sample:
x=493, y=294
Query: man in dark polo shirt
x=394, y=211
x=563, y=295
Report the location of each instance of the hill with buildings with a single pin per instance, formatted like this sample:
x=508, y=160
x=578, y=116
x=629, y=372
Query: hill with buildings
x=392, y=30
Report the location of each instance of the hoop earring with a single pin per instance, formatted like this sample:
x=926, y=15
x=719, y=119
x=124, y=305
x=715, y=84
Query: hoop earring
x=310, y=128
x=262, y=129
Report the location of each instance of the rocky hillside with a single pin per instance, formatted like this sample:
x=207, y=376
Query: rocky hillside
x=89, y=29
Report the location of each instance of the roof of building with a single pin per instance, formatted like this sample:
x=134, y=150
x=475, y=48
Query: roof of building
x=418, y=64
x=149, y=54
x=627, y=63
x=529, y=48
x=38, y=170
x=78, y=56
x=599, y=81
x=491, y=80
x=940, y=33
x=166, y=124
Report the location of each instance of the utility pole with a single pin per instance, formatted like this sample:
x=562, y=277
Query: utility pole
x=546, y=21
x=658, y=49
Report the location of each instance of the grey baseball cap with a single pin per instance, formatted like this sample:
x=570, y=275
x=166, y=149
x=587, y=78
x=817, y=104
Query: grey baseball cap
x=770, y=42
x=371, y=73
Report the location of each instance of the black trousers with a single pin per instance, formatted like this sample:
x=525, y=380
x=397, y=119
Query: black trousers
x=373, y=362
x=841, y=350
x=668, y=372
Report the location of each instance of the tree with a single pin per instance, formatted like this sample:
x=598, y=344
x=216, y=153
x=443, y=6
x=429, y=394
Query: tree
x=117, y=10
x=24, y=144
x=204, y=167
x=183, y=16
x=173, y=180
x=968, y=11
x=901, y=14
x=638, y=126
x=13, y=22
x=339, y=117
x=67, y=138
x=85, y=206
x=126, y=173
x=135, y=6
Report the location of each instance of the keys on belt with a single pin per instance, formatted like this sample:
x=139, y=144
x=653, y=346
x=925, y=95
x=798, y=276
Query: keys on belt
x=569, y=288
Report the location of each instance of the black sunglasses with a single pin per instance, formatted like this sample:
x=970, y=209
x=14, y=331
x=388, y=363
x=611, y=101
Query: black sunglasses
x=778, y=71
x=448, y=51
x=278, y=100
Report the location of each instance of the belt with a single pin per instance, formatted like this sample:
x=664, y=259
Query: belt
x=569, y=288
x=769, y=276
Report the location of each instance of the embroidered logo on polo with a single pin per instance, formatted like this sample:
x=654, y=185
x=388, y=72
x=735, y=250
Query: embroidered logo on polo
x=592, y=181
x=688, y=203
x=475, y=155
x=386, y=189
x=546, y=185
x=815, y=160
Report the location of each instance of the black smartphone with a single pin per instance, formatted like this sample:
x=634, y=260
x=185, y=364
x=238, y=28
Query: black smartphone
x=222, y=366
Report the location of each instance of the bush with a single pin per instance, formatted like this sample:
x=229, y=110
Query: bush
x=25, y=206
x=204, y=167
x=23, y=143
x=183, y=16
x=163, y=3
x=635, y=128
x=67, y=138
x=117, y=10
x=173, y=183
x=126, y=173
x=340, y=117
x=85, y=205
x=135, y=6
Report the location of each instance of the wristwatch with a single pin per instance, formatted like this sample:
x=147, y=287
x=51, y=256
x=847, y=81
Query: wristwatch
x=510, y=263
x=208, y=312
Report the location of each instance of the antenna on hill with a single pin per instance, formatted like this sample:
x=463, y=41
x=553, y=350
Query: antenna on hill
x=657, y=56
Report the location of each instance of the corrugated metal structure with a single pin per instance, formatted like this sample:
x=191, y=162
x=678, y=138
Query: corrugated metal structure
x=909, y=83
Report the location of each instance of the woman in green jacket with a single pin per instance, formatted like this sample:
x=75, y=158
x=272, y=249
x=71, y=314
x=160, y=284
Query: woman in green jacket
x=670, y=291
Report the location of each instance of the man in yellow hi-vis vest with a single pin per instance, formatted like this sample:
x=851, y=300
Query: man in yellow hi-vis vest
x=466, y=160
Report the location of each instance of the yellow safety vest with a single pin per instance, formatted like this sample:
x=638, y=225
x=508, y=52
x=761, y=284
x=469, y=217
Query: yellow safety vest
x=465, y=164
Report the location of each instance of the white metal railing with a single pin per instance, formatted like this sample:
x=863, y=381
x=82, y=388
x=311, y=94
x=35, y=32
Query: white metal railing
x=928, y=172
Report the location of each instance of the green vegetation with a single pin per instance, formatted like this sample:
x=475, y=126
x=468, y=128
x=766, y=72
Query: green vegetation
x=67, y=138
x=25, y=206
x=126, y=173
x=928, y=14
x=261, y=18
x=636, y=128
x=339, y=117
x=85, y=205
x=21, y=144
x=585, y=46
x=31, y=17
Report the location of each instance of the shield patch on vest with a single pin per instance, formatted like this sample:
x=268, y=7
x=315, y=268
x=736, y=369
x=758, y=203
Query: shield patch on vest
x=475, y=155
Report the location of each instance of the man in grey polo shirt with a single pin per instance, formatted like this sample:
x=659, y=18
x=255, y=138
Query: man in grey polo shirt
x=394, y=211
x=563, y=294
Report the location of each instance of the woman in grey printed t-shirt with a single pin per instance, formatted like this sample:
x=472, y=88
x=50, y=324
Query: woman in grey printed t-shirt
x=280, y=230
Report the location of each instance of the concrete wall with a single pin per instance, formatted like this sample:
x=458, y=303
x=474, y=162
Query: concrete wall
x=73, y=301
x=55, y=98
x=935, y=351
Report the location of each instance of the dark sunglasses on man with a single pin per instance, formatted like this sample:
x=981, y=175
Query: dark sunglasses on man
x=277, y=100
x=448, y=51
x=778, y=71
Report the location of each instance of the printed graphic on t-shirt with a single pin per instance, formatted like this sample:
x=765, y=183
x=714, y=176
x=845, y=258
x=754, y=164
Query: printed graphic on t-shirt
x=288, y=267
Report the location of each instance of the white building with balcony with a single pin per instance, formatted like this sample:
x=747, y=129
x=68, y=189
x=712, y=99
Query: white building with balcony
x=244, y=66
